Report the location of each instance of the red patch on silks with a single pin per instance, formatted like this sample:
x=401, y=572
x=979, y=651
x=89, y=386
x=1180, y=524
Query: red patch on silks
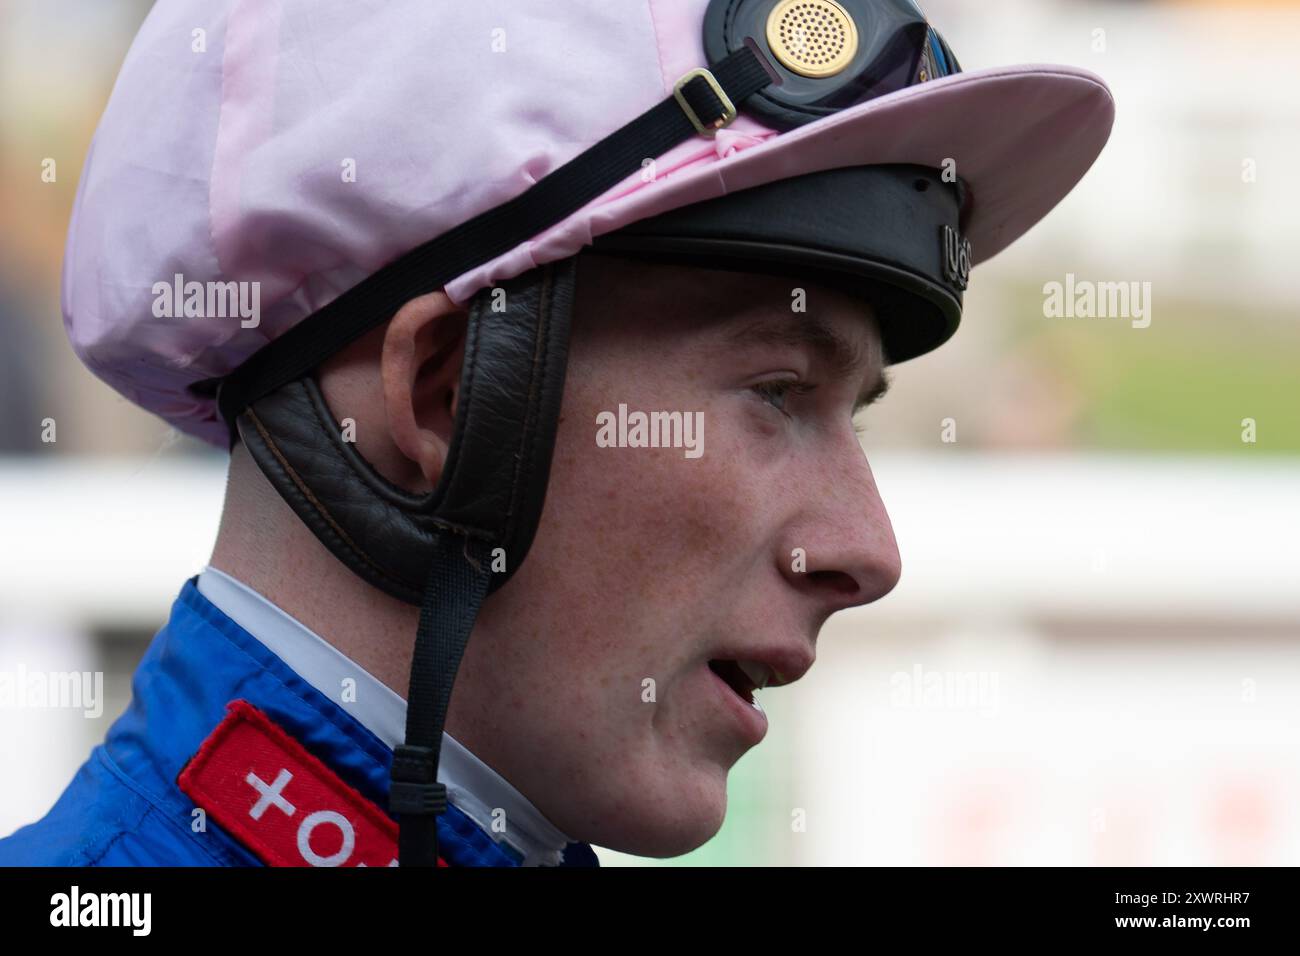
x=281, y=801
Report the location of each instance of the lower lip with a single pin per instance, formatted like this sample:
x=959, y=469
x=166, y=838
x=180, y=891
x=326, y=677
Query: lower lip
x=752, y=722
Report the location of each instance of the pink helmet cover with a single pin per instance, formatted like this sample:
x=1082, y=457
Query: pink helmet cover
x=259, y=157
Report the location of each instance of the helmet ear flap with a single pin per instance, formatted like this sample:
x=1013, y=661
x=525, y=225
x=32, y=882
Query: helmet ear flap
x=497, y=468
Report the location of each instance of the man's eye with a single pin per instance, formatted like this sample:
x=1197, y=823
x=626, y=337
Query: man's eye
x=776, y=392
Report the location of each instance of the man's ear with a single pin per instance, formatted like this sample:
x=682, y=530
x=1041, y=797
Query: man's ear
x=420, y=367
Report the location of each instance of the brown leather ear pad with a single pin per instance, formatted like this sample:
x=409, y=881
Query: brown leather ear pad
x=498, y=465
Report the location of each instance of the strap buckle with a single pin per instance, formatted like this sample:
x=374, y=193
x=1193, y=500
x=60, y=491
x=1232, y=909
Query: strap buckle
x=413, y=788
x=728, y=108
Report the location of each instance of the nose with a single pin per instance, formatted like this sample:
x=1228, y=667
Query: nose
x=841, y=550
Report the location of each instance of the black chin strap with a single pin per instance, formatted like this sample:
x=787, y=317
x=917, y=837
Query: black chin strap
x=458, y=581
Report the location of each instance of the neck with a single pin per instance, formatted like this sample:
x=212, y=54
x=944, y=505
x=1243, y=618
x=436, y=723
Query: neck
x=262, y=543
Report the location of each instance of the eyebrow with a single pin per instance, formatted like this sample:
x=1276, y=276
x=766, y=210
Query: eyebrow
x=843, y=358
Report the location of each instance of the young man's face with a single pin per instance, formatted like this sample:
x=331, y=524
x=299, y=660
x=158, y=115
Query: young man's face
x=587, y=682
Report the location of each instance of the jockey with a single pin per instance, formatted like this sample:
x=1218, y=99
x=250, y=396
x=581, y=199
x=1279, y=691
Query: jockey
x=595, y=285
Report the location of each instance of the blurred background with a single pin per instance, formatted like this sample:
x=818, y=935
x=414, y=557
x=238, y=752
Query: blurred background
x=1094, y=654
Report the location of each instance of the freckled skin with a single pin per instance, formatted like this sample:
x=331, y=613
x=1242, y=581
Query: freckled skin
x=645, y=562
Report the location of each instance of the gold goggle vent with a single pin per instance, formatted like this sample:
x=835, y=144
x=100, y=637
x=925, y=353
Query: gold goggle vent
x=812, y=37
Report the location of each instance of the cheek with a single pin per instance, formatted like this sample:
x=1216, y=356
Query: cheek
x=639, y=541
x=664, y=524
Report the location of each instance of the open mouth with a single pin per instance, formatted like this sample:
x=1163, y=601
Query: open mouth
x=735, y=678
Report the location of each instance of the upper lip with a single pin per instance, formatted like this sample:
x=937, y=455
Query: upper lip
x=784, y=665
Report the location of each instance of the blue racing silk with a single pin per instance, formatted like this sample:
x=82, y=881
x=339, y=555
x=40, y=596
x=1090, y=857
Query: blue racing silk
x=125, y=807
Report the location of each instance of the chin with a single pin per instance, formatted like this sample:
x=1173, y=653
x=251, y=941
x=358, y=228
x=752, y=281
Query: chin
x=668, y=819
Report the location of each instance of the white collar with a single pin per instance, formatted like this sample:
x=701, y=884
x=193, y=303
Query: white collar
x=473, y=786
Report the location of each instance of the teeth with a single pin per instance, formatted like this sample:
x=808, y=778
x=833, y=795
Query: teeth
x=759, y=674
